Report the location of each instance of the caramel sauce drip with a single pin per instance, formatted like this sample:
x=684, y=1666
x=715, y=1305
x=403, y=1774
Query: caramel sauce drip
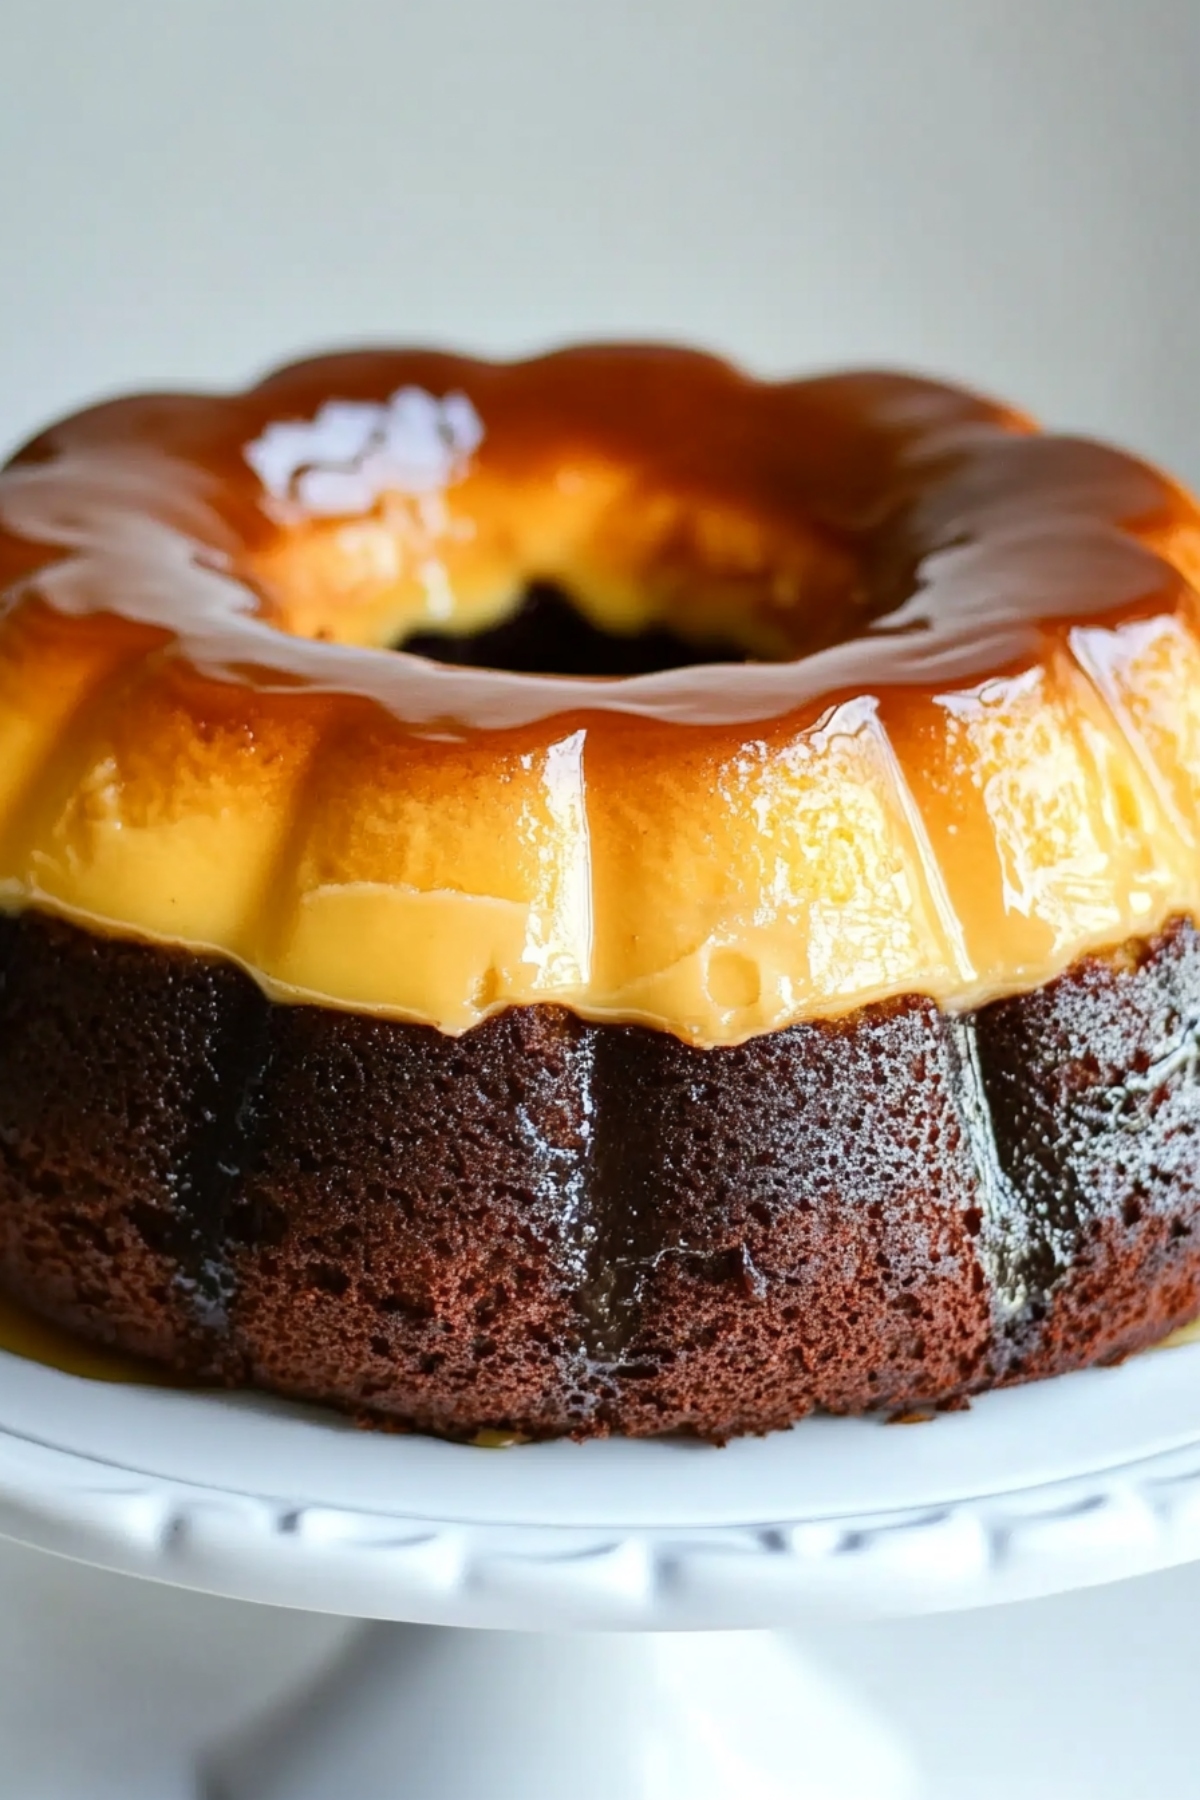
x=961, y=749
x=24, y=1334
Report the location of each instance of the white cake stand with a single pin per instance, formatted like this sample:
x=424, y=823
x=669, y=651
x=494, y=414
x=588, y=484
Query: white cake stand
x=592, y=1552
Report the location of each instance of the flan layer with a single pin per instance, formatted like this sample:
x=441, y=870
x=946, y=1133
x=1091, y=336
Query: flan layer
x=973, y=759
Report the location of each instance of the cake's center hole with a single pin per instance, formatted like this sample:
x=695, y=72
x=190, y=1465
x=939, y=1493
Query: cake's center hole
x=658, y=583
x=399, y=528
x=548, y=635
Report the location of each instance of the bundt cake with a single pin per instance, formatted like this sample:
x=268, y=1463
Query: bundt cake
x=597, y=894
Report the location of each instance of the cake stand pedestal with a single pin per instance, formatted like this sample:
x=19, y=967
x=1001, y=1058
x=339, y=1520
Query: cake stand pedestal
x=479, y=1715
x=622, y=1597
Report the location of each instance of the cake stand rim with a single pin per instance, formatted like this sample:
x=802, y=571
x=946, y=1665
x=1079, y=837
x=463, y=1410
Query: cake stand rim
x=1127, y=1517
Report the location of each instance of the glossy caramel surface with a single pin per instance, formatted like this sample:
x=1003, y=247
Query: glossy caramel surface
x=966, y=750
x=23, y=1333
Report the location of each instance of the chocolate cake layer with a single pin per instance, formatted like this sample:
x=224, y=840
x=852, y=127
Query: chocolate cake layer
x=549, y=1226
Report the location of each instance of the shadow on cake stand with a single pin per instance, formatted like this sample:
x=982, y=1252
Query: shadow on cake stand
x=572, y=1622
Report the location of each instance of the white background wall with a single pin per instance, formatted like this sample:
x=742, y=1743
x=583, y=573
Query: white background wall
x=1006, y=190
x=1000, y=189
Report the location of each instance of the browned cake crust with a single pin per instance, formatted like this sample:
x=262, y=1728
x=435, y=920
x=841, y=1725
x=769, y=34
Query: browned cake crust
x=551, y=1226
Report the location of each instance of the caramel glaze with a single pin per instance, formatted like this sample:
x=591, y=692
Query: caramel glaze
x=24, y=1333
x=965, y=750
